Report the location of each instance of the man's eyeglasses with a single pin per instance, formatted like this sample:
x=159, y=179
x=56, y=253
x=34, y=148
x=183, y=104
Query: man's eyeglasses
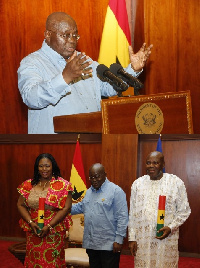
x=67, y=36
x=95, y=177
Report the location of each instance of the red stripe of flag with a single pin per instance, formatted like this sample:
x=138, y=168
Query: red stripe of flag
x=41, y=203
x=119, y=9
x=162, y=200
x=77, y=161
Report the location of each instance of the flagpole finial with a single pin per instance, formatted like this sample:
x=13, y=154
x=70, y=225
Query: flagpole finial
x=79, y=136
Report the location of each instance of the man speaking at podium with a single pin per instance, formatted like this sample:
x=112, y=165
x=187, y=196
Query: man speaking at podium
x=57, y=80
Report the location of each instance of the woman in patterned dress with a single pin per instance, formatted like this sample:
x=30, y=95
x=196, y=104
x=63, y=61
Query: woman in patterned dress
x=45, y=247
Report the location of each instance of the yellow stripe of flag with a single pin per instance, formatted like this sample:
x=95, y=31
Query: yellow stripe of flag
x=114, y=43
x=77, y=177
x=40, y=216
x=77, y=181
x=161, y=217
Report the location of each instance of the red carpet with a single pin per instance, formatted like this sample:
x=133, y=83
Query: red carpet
x=7, y=260
x=127, y=261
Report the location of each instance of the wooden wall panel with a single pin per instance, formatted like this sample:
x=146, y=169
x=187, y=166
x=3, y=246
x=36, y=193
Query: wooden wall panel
x=188, y=58
x=173, y=27
x=161, y=31
x=119, y=156
x=182, y=158
x=17, y=162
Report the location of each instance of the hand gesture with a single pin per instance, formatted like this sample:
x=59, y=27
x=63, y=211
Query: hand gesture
x=139, y=59
x=44, y=231
x=166, y=231
x=76, y=66
x=34, y=227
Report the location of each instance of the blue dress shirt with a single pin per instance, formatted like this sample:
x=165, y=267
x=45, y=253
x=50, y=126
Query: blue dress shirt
x=46, y=94
x=105, y=216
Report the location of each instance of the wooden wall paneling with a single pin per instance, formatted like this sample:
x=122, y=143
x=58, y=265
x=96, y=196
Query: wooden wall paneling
x=10, y=47
x=188, y=63
x=160, y=27
x=17, y=163
x=119, y=157
x=138, y=38
x=173, y=28
x=137, y=34
x=182, y=158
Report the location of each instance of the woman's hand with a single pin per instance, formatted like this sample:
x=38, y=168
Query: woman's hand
x=34, y=227
x=44, y=231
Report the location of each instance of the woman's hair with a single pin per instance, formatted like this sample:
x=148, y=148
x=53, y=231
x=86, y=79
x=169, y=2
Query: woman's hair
x=55, y=167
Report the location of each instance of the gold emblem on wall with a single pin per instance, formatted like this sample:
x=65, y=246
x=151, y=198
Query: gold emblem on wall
x=149, y=119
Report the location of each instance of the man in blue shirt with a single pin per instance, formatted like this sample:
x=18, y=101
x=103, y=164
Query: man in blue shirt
x=57, y=80
x=105, y=219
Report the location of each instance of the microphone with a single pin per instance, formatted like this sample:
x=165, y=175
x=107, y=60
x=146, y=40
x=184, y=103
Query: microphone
x=116, y=82
x=118, y=70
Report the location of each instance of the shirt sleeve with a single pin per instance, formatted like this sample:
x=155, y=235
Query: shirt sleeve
x=36, y=92
x=120, y=215
x=130, y=70
x=77, y=208
x=182, y=208
x=132, y=215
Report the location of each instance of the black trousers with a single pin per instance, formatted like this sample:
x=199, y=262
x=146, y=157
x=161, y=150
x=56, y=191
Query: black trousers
x=103, y=258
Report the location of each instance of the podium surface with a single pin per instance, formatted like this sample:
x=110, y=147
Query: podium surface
x=78, y=123
x=166, y=113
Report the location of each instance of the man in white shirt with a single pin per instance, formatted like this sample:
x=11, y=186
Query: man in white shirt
x=150, y=250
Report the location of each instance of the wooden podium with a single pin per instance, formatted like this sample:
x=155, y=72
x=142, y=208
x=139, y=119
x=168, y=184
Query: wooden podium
x=166, y=113
x=78, y=123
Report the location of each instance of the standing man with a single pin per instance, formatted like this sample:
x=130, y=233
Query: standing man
x=105, y=219
x=149, y=250
x=58, y=80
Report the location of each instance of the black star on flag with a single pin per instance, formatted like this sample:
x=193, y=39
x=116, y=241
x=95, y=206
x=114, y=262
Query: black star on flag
x=162, y=217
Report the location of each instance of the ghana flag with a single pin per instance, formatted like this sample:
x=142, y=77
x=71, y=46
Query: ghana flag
x=77, y=177
x=116, y=36
x=161, y=214
x=41, y=213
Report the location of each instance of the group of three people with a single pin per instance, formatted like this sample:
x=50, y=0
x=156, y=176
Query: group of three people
x=105, y=216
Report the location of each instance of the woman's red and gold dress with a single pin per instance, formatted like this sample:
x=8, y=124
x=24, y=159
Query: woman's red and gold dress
x=47, y=252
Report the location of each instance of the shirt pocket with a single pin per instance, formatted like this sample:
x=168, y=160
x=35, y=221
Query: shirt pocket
x=103, y=206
